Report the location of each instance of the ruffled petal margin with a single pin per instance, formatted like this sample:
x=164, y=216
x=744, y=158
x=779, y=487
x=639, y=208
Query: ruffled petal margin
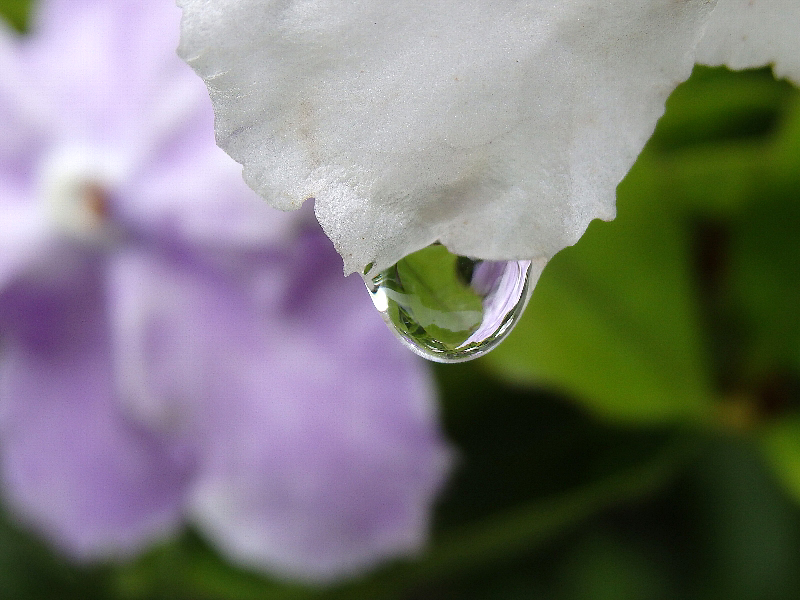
x=744, y=34
x=500, y=129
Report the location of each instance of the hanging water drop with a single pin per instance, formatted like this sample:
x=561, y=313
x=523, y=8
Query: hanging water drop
x=450, y=308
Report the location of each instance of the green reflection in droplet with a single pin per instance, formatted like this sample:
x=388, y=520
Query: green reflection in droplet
x=450, y=308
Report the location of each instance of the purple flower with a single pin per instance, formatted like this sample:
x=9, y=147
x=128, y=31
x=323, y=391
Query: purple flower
x=171, y=349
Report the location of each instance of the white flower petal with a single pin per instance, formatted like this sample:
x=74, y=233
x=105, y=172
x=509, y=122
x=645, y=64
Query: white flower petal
x=499, y=128
x=753, y=33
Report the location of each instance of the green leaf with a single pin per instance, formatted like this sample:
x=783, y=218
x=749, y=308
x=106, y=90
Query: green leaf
x=787, y=144
x=603, y=567
x=749, y=529
x=765, y=278
x=715, y=181
x=30, y=569
x=781, y=442
x=613, y=320
x=717, y=106
x=16, y=12
x=725, y=137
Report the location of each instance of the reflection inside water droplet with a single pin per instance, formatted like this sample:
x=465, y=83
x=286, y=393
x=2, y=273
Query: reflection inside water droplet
x=450, y=308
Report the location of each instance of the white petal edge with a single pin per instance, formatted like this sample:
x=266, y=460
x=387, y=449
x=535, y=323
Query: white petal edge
x=744, y=34
x=500, y=129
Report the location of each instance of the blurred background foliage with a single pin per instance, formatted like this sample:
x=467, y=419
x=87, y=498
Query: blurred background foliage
x=636, y=437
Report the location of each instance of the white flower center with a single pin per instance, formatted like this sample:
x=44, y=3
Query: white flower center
x=76, y=183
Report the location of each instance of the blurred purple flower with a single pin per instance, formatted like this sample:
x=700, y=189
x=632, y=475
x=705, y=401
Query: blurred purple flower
x=170, y=348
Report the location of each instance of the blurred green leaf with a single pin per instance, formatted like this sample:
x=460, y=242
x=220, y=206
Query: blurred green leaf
x=782, y=449
x=16, y=12
x=748, y=530
x=613, y=319
x=30, y=570
x=713, y=180
x=717, y=106
x=515, y=445
x=602, y=567
x=765, y=278
x=787, y=155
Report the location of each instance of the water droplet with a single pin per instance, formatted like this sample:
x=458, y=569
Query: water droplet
x=450, y=308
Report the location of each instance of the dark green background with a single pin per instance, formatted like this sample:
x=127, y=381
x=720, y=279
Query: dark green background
x=638, y=435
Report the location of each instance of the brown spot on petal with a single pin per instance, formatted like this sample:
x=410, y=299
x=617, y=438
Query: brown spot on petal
x=97, y=200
